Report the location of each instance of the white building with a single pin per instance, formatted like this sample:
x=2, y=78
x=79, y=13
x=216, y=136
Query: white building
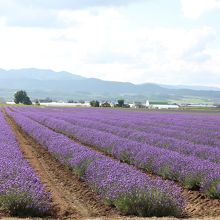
x=10, y=103
x=157, y=106
x=153, y=106
x=147, y=104
x=64, y=104
x=137, y=105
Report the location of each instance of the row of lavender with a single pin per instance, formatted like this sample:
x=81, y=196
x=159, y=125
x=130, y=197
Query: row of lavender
x=130, y=190
x=152, y=135
x=196, y=123
x=187, y=127
x=21, y=191
x=192, y=133
x=196, y=130
x=191, y=171
x=201, y=151
x=153, y=138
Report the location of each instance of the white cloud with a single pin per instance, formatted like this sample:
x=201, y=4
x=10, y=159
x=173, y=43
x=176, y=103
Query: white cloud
x=195, y=8
x=41, y=13
x=100, y=42
x=72, y=4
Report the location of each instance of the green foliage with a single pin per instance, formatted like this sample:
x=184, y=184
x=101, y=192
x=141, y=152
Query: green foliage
x=121, y=103
x=106, y=104
x=27, y=101
x=108, y=149
x=95, y=103
x=165, y=172
x=213, y=190
x=18, y=204
x=147, y=165
x=140, y=204
x=21, y=97
x=125, y=157
x=192, y=182
x=81, y=168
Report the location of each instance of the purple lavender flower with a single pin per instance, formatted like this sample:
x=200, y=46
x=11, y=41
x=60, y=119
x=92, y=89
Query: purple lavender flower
x=187, y=168
x=21, y=191
x=130, y=190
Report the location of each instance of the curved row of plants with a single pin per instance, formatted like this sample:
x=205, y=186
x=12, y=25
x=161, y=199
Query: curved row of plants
x=21, y=191
x=197, y=134
x=153, y=138
x=197, y=128
x=190, y=171
x=118, y=184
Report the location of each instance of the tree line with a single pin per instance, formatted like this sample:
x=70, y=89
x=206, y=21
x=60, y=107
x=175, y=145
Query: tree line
x=21, y=97
x=120, y=104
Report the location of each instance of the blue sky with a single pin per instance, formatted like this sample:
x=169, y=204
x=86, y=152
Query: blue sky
x=170, y=42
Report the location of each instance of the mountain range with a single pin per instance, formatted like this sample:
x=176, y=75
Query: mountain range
x=40, y=83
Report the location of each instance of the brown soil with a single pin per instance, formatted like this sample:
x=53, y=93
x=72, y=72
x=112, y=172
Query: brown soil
x=73, y=199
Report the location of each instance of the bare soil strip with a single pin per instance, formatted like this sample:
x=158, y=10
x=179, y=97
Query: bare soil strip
x=72, y=198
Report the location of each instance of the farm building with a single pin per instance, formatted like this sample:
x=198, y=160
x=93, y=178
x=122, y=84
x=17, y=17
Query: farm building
x=155, y=106
x=64, y=104
x=139, y=105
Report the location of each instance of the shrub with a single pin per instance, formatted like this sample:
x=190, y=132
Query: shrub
x=20, y=204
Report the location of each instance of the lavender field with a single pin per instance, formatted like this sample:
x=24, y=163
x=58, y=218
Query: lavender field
x=138, y=162
x=21, y=191
x=179, y=147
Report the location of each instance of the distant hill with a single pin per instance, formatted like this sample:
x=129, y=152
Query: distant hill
x=206, y=88
x=38, y=74
x=63, y=86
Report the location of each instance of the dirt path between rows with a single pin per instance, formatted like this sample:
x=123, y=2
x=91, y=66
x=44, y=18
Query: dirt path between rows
x=71, y=197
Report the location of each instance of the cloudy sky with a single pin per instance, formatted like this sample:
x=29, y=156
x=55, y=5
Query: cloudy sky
x=169, y=42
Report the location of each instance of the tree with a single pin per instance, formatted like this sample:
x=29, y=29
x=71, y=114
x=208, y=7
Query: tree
x=27, y=101
x=21, y=97
x=82, y=101
x=70, y=101
x=105, y=104
x=95, y=103
x=121, y=103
